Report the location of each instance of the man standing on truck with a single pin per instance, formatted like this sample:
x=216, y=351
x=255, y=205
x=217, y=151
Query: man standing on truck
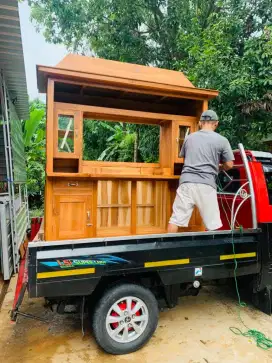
x=203, y=151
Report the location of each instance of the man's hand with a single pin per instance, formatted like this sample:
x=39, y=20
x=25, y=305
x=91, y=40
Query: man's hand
x=226, y=166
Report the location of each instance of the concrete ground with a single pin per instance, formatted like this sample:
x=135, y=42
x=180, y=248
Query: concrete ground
x=196, y=331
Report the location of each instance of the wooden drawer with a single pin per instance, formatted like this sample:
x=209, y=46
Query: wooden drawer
x=73, y=184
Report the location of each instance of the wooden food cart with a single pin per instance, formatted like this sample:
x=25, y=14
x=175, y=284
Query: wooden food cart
x=89, y=198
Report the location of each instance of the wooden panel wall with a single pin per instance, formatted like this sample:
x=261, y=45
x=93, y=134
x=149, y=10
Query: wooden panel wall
x=113, y=207
x=152, y=203
x=125, y=207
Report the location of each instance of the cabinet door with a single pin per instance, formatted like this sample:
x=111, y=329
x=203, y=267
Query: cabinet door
x=181, y=130
x=73, y=216
x=67, y=134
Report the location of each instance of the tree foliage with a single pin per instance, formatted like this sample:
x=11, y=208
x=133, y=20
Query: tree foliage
x=120, y=141
x=222, y=44
x=34, y=140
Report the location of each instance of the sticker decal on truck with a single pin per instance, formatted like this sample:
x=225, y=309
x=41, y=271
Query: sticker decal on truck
x=198, y=271
x=100, y=260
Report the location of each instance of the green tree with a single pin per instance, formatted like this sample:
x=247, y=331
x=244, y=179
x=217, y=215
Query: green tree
x=111, y=141
x=120, y=145
x=243, y=76
x=223, y=44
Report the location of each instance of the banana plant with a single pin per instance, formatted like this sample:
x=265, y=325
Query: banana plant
x=31, y=125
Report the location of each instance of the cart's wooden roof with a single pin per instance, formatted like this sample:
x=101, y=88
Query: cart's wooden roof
x=77, y=67
x=131, y=71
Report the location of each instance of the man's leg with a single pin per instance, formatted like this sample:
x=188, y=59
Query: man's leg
x=205, y=198
x=182, y=209
x=172, y=228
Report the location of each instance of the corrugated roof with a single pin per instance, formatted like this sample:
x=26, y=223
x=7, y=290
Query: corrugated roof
x=12, y=56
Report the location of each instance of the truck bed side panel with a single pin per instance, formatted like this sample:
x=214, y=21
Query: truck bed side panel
x=75, y=269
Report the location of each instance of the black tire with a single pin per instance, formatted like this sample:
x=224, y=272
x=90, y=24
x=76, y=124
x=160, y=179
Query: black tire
x=102, y=308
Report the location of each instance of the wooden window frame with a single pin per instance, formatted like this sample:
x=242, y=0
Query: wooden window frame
x=177, y=124
x=77, y=134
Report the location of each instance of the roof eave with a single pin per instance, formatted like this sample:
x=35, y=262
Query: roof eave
x=12, y=56
x=43, y=73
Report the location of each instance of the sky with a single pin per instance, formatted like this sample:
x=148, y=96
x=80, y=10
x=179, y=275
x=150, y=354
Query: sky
x=36, y=51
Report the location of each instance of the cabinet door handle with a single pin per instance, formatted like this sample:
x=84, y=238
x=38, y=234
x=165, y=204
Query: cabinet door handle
x=89, y=224
x=73, y=184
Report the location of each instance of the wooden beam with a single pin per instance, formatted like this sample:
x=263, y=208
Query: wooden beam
x=113, y=176
x=116, y=114
x=127, y=164
x=129, y=104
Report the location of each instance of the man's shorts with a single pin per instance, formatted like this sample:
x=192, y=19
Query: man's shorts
x=204, y=197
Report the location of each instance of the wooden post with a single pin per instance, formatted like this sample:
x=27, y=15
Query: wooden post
x=133, y=207
x=48, y=209
x=50, y=126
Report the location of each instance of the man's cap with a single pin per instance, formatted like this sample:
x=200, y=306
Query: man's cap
x=209, y=115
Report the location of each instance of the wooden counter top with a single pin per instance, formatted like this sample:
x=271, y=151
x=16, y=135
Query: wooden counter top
x=113, y=176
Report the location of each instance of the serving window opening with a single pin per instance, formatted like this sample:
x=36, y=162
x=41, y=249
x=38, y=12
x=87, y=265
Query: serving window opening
x=120, y=141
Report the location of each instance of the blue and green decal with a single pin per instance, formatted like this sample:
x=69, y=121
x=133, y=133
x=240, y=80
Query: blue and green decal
x=98, y=260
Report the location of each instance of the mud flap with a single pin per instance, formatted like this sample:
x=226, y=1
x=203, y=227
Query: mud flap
x=263, y=300
x=21, y=286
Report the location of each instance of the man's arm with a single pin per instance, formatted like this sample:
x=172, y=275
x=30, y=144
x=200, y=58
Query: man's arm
x=227, y=165
x=227, y=157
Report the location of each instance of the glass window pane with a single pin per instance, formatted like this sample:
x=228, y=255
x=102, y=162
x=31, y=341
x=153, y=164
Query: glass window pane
x=183, y=132
x=66, y=133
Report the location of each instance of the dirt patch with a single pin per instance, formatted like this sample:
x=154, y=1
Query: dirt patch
x=3, y=290
x=196, y=331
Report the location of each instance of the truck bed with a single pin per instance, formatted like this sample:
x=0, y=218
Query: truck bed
x=75, y=267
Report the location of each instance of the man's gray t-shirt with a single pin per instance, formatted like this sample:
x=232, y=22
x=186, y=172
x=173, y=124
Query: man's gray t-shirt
x=203, y=151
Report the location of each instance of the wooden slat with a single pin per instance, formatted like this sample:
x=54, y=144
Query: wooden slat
x=120, y=163
x=94, y=207
x=48, y=202
x=133, y=207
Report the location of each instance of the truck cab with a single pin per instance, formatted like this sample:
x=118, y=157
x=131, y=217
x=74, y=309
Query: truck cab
x=233, y=181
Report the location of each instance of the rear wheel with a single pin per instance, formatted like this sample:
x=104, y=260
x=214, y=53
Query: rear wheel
x=125, y=318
